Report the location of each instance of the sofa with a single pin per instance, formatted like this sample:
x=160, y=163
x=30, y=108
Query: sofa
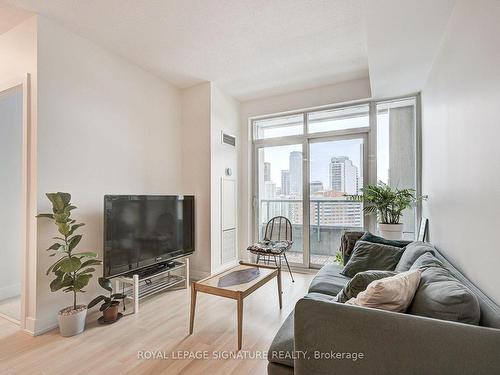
x=322, y=336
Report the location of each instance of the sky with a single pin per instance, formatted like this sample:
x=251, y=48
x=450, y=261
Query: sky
x=322, y=152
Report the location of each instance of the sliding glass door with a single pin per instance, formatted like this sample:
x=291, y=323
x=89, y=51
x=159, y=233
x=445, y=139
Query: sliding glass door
x=280, y=184
x=308, y=164
x=336, y=171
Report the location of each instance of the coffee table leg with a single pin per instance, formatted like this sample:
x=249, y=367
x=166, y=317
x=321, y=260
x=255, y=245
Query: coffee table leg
x=193, y=307
x=240, y=320
x=278, y=277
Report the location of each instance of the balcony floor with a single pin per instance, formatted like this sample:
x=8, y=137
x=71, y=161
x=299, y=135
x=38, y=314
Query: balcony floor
x=320, y=260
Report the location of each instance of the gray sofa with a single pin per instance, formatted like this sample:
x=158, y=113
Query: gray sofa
x=389, y=343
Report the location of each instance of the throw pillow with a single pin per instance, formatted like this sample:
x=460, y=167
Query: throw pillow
x=441, y=296
x=372, y=256
x=393, y=293
x=412, y=252
x=376, y=239
x=359, y=283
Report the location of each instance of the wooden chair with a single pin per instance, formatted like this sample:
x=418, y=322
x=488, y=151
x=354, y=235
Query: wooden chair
x=277, y=240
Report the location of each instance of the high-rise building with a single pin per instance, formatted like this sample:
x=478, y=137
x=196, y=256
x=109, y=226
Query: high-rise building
x=315, y=186
x=343, y=175
x=267, y=171
x=295, y=172
x=285, y=182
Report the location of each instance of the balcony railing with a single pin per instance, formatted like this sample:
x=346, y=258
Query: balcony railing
x=329, y=219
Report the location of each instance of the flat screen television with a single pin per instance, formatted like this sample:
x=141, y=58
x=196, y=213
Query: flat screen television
x=146, y=230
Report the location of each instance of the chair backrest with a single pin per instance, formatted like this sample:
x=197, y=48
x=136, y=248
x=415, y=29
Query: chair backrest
x=278, y=228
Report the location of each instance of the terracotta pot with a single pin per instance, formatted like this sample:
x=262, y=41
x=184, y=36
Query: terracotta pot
x=110, y=314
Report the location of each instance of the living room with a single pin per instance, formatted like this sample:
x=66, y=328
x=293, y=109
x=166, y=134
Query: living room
x=233, y=187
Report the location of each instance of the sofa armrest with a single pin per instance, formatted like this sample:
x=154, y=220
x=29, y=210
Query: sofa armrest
x=388, y=343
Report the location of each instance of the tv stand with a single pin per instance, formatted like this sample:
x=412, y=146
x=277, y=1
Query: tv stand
x=151, y=280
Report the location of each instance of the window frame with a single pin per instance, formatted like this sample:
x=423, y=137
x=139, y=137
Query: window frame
x=371, y=135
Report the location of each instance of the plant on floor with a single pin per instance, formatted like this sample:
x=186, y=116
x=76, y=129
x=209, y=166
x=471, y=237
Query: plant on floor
x=72, y=270
x=110, y=304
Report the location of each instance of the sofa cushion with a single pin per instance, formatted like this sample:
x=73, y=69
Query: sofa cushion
x=381, y=240
x=282, y=347
x=442, y=296
x=321, y=297
x=412, y=252
x=372, y=256
x=393, y=293
x=359, y=283
x=329, y=280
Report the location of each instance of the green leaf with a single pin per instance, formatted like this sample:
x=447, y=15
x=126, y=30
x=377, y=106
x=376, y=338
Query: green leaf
x=74, y=241
x=87, y=270
x=54, y=246
x=75, y=227
x=105, y=306
x=118, y=296
x=95, y=301
x=89, y=254
x=55, y=266
x=105, y=284
x=48, y=216
x=70, y=265
x=91, y=262
x=82, y=281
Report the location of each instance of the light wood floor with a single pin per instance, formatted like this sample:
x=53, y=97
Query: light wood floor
x=161, y=326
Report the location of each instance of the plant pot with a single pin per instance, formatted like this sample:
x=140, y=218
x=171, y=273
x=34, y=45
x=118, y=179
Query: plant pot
x=110, y=314
x=391, y=231
x=72, y=322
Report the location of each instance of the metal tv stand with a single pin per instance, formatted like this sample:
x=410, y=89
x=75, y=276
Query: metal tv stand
x=142, y=283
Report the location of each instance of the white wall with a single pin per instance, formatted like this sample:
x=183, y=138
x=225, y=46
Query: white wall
x=11, y=229
x=196, y=169
x=460, y=135
x=225, y=116
x=305, y=99
x=105, y=126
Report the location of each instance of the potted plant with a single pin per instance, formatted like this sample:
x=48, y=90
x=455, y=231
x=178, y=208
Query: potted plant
x=388, y=204
x=72, y=270
x=110, y=304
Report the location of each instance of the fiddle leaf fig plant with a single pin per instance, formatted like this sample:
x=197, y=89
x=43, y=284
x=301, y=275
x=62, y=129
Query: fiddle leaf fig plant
x=72, y=270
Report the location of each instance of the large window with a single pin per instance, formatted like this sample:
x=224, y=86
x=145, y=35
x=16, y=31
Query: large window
x=308, y=165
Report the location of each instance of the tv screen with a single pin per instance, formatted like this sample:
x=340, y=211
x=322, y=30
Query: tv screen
x=143, y=230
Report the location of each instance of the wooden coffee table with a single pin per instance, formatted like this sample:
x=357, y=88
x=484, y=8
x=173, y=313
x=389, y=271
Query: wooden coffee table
x=237, y=291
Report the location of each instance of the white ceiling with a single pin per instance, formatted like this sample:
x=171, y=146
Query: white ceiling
x=250, y=48
x=260, y=48
x=11, y=16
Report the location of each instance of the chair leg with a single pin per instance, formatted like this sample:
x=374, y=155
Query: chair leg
x=275, y=261
x=258, y=258
x=289, y=270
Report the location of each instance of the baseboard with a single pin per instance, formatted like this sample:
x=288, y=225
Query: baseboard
x=10, y=291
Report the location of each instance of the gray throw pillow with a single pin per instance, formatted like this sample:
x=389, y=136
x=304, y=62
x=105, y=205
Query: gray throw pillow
x=372, y=256
x=412, y=252
x=376, y=239
x=442, y=296
x=359, y=283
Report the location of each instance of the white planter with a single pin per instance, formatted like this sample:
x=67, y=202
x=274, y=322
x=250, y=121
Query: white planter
x=391, y=231
x=72, y=322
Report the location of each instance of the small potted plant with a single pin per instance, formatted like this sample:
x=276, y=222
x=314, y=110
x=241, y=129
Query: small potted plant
x=72, y=270
x=110, y=304
x=388, y=204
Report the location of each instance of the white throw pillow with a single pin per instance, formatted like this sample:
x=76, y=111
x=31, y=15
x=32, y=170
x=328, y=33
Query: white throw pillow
x=393, y=293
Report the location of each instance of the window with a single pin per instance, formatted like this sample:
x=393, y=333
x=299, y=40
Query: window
x=309, y=164
x=339, y=119
x=278, y=127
